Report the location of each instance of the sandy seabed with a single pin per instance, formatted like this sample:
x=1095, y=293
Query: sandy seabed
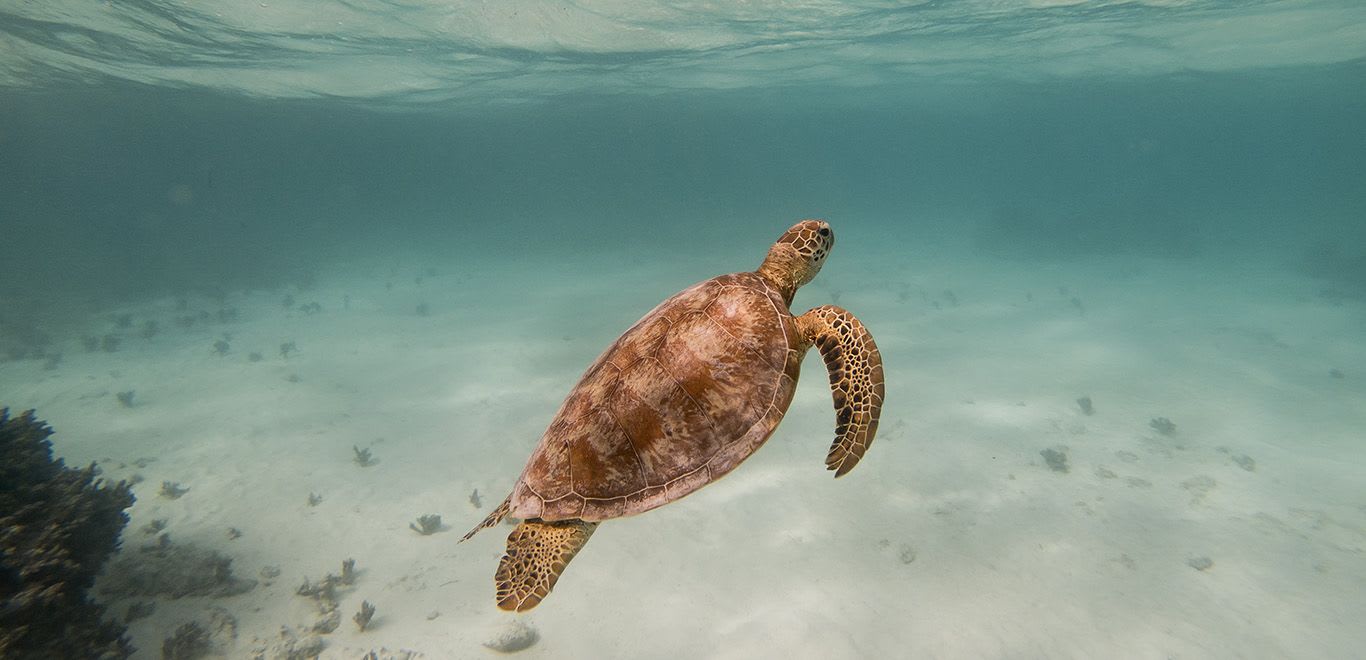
x=1239, y=534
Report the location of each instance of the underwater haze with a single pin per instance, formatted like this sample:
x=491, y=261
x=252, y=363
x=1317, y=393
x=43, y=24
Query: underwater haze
x=308, y=271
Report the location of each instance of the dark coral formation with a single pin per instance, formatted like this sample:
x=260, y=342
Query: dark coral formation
x=57, y=527
x=190, y=642
x=173, y=570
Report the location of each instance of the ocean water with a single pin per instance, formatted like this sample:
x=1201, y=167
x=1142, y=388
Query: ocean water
x=241, y=243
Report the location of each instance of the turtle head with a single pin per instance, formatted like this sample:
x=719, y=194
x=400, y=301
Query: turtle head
x=798, y=255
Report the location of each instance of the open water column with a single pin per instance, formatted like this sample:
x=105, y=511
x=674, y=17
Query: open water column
x=295, y=288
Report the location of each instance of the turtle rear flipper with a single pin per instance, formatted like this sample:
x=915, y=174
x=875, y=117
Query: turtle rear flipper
x=492, y=519
x=855, y=367
x=537, y=553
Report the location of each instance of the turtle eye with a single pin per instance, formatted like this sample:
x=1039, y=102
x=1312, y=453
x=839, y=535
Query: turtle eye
x=825, y=231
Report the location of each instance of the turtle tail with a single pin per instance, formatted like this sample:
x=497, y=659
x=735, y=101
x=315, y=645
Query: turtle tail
x=537, y=553
x=493, y=519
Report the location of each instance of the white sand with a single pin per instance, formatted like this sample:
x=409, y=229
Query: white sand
x=952, y=539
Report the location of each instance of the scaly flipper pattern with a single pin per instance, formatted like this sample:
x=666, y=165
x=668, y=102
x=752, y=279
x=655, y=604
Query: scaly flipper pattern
x=855, y=367
x=537, y=553
x=492, y=519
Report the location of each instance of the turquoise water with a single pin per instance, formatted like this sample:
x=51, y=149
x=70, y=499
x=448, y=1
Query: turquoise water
x=1157, y=205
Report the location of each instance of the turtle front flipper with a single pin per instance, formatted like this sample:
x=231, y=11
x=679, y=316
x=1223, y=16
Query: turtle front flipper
x=855, y=367
x=537, y=553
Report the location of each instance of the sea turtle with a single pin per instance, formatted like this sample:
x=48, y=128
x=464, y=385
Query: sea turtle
x=679, y=400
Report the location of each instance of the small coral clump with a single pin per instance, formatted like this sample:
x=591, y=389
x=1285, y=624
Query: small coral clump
x=363, y=617
x=1163, y=425
x=427, y=525
x=363, y=457
x=1056, y=459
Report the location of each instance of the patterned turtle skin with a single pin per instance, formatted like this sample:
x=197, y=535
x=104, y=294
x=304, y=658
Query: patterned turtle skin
x=678, y=401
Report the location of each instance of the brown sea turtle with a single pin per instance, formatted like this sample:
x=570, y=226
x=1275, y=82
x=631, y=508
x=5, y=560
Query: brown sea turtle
x=679, y=400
